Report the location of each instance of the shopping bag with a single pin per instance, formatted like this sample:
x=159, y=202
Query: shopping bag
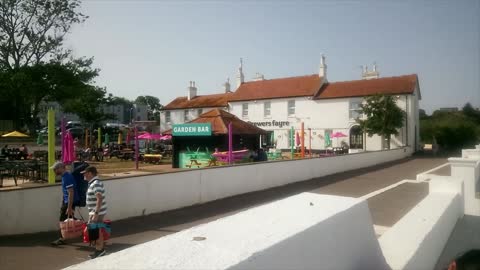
x=71, y=228
x=92, y=231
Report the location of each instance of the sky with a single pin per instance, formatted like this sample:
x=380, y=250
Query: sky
x=155, y=47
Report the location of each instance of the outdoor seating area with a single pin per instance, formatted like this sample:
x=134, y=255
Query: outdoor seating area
x=25, y=170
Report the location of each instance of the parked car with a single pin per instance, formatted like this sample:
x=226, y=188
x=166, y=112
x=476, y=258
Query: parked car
x=76, y=132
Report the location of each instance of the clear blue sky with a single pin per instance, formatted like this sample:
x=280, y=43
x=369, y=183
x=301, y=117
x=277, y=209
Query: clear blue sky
x=157, y=47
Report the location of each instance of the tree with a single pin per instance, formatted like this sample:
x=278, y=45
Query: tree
x=33, y=31
x=383, y=116
x=87, y=105
x=153, y=106
x=470, y=112
x=31, y=39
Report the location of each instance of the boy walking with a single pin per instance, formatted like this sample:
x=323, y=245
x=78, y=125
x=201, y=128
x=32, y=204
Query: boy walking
x=97, y=206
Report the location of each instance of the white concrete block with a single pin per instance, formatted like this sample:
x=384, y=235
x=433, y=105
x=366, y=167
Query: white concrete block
x=305, y=231
x=417, y=240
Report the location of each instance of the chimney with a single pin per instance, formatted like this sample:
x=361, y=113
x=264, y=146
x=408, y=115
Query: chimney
x=323, y=68
x=258, y=77
x=367, y=75
x=192, y=91
x=226, y=86
x=240, y=76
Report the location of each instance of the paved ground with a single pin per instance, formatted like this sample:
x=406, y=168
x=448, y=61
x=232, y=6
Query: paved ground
x=33, y=251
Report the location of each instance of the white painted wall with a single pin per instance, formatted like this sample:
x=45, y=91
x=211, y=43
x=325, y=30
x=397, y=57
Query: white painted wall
x=324, y=114
x=417, y=240
x=468, y=169
x=305, y=231
x=136, y=196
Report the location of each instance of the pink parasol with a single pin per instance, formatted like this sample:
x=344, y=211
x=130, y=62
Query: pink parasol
x=297, y=139
x=149, y=136
x=338, y=135
x=166, y=137
x=68, y=152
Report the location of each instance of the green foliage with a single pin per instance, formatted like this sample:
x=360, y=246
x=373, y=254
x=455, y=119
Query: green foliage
x=383, y=116
x=451, y=130
x=153, y=105
x=32, y=31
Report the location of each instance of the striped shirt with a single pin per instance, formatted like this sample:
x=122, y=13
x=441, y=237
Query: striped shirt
x=96, y=186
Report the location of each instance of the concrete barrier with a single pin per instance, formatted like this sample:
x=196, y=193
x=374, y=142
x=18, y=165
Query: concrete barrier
x=417, y=240
x=305, y=231
x=147, y=194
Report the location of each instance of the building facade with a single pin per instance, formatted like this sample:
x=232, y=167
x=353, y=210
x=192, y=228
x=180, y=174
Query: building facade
x=323, y=107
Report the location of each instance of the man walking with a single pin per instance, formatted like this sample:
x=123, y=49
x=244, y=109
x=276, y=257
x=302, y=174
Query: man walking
x=97, y=206
x=70, y=196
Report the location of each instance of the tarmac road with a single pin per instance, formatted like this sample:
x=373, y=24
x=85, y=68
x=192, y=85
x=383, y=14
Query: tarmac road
x=34, y=251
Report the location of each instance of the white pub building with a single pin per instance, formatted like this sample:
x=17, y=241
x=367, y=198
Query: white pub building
x=324, y=107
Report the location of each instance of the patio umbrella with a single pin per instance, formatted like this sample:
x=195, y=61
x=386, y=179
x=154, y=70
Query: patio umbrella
x=119, y=141
x=297, y=138
x=15, y=134
x=328, y=141
x=338, y=135
x=107, y=139
x=40, y=139
x=128, y=138
x=166, y=137
x=68, y=153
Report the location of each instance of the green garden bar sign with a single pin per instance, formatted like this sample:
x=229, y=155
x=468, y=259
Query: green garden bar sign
x=203, y=129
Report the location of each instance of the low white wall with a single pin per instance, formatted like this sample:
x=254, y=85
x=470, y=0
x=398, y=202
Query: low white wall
x=305, y=231
x=141, y=195
x=417, y=240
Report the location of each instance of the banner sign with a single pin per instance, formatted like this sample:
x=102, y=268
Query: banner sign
x=200, y=129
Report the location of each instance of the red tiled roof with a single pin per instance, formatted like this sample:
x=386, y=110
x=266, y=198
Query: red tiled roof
x=278, y=88
x=390, y=85
x=215, y=100
x=220, y=120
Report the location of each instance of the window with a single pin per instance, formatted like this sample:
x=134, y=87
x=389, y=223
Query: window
x=167, y=117
x=355, y=110
x=245, y=110
x=199, y=111
x=356, y=138
x=185, y=116
x=266, y=109
x=291, y=107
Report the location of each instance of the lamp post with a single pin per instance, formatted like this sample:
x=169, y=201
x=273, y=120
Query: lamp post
x=131, y=109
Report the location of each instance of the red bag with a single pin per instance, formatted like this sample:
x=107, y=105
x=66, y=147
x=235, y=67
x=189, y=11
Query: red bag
x=106, y=235
x=71, y=228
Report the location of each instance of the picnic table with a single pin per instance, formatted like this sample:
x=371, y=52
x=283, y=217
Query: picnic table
x=152, y=158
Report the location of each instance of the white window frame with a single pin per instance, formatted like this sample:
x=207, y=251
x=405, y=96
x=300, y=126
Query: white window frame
x=168, y=117
x=291, y=109
x=185, y=116
x=354, y=109
x=245, y=110
x=267, y=110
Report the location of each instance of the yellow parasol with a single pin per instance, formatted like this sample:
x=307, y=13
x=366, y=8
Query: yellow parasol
x=119, y=138
x=14, y=134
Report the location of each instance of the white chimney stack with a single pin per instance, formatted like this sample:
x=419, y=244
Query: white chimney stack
x=192, y=91
x=367, y=75
x=240, y=76
x=226, y=86
x=323, y=68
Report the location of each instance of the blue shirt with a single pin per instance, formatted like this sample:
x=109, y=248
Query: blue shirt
x=69, y=182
